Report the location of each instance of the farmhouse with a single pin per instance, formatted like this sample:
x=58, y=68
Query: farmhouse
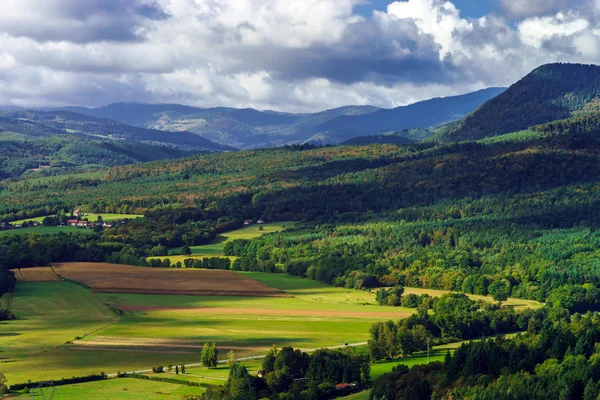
x=260, y=222
x=248, y=222
x=82, y=224
x=72, y=222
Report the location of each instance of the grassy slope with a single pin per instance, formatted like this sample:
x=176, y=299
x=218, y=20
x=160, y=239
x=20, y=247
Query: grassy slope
x=216, y=249
x=306, y=289
x=107, y=217
x=123, y=389
x=46, y=230
x=50, y=314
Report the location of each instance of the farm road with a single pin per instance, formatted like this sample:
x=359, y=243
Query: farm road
x=145, y=371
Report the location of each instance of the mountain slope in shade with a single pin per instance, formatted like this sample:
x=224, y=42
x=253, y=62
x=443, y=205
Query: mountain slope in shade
x=549, y=93
x=241, y=128
x=424, y=114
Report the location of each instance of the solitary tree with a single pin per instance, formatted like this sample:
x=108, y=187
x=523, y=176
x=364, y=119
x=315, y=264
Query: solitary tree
x=500, y=290
x=209, y=356
x=231, y=358
x=186, y=251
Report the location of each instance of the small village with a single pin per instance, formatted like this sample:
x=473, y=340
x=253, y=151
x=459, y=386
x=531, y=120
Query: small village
x=77, y=219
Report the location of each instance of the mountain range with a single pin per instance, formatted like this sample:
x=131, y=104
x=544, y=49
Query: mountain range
x=249, y=128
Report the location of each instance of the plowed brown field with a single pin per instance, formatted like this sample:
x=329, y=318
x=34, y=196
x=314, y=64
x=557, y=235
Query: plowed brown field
x=37, y=274
x=112, y=278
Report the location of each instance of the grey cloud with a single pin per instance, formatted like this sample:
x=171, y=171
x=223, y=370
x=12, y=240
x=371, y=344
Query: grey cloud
x=80, y=21
x=366, y=53
x=527, y=8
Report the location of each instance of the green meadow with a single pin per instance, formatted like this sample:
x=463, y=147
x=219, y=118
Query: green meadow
x=106, y=217
x=123, y=389
x=46, y=230
x=216, y=248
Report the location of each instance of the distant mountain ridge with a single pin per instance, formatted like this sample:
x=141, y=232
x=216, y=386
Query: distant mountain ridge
x=250, y=128
x=48, y=123
x=549, y=93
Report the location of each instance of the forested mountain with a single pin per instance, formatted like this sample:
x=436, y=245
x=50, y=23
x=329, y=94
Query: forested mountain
x=551, y=92
x=405, y=136
x=58, y=142
x=61, y=153
x=249, y=128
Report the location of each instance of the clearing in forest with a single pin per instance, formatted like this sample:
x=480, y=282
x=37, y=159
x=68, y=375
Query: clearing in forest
x=217, y=247
x=113, y=278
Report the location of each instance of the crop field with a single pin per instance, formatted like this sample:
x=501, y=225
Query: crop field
x=112, y=278
x=37, y=274
x=216, y=248
x=46, y=230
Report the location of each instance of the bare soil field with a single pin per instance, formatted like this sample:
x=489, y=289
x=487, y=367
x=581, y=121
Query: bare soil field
x=37, y=274
x=112, y=278
x=265, y=312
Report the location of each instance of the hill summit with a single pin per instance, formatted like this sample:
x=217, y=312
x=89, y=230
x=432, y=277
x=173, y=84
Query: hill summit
x=551, y=92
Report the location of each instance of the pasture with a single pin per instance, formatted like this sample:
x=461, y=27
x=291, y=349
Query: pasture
x=123, y=389
x=49, y=315
x=106, y=217
x=46, y=230
x=68, y=330
x=216, y=248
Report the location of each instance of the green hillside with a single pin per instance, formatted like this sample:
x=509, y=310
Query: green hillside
x=549, y=93
x=62, y=153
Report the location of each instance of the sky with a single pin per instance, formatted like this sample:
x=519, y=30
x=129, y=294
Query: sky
x=285, y=55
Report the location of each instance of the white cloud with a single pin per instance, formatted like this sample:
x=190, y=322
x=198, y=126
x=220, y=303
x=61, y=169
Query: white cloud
x=290, y=55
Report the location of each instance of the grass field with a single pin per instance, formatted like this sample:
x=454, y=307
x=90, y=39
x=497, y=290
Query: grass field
x=123, y=389
x=45, y=230
x=162, y=329
x=107, y=217
x=517, y=303
x=50, y=314
x=216, y=248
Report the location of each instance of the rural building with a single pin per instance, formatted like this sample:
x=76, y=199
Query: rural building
x=72, y=222
x=82, y=224
x=260, y=221
x=248, y=222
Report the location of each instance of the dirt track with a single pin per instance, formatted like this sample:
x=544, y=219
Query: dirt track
x=112, y=278
x=265, y=312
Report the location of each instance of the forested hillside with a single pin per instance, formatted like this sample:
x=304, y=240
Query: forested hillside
x=551, y=92
x=62, y=153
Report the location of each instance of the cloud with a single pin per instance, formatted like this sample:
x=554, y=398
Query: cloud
x=79, y=21
x=528, y=8
x=289, y=55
